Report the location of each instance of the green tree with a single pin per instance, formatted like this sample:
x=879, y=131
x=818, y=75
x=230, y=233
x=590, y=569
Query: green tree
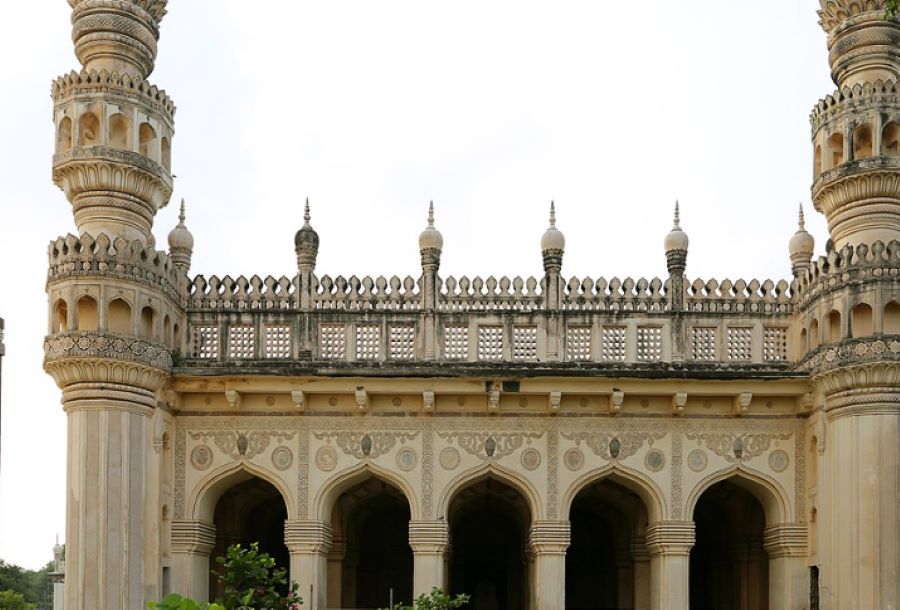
x=893, y=7
x=253, y=581
x=12, y=600
x=436, y=600
x=174, y=601
x=33, y=586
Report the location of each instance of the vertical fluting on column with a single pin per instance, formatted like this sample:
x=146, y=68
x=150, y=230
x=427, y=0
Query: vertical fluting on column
x=431, y=244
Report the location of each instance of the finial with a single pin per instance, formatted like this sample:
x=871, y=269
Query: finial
x=306, y=213
x=431, y=214
x=552, y=214
x=181, y=213
x=677, y=216
x=802, y=220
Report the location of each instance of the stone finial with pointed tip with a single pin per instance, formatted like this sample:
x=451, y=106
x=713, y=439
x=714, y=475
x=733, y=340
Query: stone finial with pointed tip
x=431, y=238
x=676, y=245
x=181, y=243
x=801, y=247
x=553, y=244
x=306, y=243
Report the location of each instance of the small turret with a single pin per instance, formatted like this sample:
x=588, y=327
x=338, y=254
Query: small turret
x=431, y=242
x=306, y=243
x=676, y=245
x=801, y=247
x=553, y=244
x=181, y=243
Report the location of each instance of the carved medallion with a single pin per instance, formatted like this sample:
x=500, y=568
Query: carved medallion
x=282, y=458
x=531, y=459
x=655, y=460
x=573, y=459
x=449, y=458
x=201, y=457
x=697, y=460
x=778, y=460
x=326, y=458
x=407, y=459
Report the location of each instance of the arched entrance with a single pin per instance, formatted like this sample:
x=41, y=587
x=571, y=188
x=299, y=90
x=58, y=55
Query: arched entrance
x=489, y=523
x=250, y=511
x=370, y=550
x=607, y=566
x=729, y=567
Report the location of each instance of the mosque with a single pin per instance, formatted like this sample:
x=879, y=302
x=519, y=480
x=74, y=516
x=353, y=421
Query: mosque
x=540, y=443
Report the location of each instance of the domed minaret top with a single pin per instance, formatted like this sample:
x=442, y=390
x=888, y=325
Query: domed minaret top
x=181, y=243
x=553, y=244
x=801, y=247
x=306, y=243
x=863, y=41
x=431, y=239
x=117, y=36
x=676, y=245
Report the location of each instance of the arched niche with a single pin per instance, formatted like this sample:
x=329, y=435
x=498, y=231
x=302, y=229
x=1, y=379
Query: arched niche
x=119, y=131
x=148, y=322
x=890, y=140
x=863, y=142
x=835, y=333
x=118, y=317
x=332, y=489
x=814, y=334
x=64, y=135
x=835, y=150
x=147, y=144
x=891, y=319
x=60, y=319
x=88, y=320
x=861, y=321
x=88, y=129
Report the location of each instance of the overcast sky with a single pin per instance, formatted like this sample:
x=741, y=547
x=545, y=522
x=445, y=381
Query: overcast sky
x=490, y=108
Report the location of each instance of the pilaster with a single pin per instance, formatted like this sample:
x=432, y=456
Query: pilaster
x=786, y=546
x=309, y=542
x=192, y=543
x=669, y=544
x=548, y=540
x=429, y=540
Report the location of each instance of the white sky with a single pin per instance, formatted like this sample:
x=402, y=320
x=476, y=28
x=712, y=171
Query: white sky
x=489, y=107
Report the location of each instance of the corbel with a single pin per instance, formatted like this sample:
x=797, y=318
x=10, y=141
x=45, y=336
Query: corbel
x=807, y=401
x=299, y=399
x=172, y=399
x=616, y=400
x=742, y=403
x=234, y=399
x=428, y=401
x=494, y=398
x=362, y=398
x=554, y=401
x=679, y=401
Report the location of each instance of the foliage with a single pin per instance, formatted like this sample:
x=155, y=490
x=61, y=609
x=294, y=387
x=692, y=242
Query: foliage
x=33, y=586
x=173, y=601
x=11, y=600
x=437, y=600
x=893, y=8
x=252, y=581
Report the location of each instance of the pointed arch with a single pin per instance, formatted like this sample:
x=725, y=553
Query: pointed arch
x=646, y=489
x=147, y=141
x=861, y=321
x=60, y=320
x=890, y=140
x=119, y=131
x=64, y=135
x=118, y=317
x=835, y=150
x=488, y=470
x=768, y=491
x=88, y=130
x=87, y=313
x=890, y=321
x=332, y=489
x=863, y=142
x=202, y=504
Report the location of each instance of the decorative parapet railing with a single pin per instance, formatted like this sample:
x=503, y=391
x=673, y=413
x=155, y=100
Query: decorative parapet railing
x=739, y=297
x=123, y=85
x=850, y=352
x=489, y=294
x=615, y=295
x=848, y=266
x=850, y=101
x=85, y=256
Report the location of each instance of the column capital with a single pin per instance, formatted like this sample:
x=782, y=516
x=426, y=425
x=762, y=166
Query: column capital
x=670, y=537
x=550, y=537
x=429, y=536
x=196, y=537
x=785, y=540
x=307, y=536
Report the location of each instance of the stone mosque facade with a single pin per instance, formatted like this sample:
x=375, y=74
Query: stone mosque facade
x=539, y=443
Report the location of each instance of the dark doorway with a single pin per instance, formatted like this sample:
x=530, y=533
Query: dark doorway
x=608, y=522
x=729, y=567
x=371, y=526
x=489, y=523
x=250, y=511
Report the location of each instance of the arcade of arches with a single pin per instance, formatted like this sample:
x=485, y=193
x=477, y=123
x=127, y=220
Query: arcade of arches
x=610, y=555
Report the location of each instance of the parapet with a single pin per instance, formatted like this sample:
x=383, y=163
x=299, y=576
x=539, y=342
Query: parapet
x=848, y=266
x=853, y=99
x=72, y=256
x=107, y=83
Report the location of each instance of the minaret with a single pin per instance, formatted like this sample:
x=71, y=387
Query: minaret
x=116, y=303
x=801, y=248
x=181, y=243
x=856, y=130
x=676, y=247
x=306, y=246
x=856, y=380
x=431, y=244
x=553, y=246
x=113, y=129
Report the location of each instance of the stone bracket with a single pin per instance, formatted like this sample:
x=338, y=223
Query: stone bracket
x=428, y=401
x=299, y=399
x=616, y=400
x=742, y=403
x=679, y=401
x=554, y=400
x=234, y=399
x=362, y=398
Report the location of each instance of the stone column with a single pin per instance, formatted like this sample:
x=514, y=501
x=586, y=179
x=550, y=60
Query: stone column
x=428, y=540
x=335, y=571
x=309, y=542
x=192, y=543
x=861, y=385
x=642, y=586
x=549, y=541
x=669, y=544
x=788, y=575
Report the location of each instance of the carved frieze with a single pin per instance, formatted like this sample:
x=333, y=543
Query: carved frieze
x=243, y=445
x=613, y=445
x=735, y=447
x=363, y=445
x=489, y=444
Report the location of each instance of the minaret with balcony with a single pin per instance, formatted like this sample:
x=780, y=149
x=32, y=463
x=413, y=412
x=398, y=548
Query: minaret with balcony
x=848, y=312
x=116, y=314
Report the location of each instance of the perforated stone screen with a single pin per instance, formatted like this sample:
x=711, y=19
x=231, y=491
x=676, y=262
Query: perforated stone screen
x=456, y=342
x=490, y=343
x=775, y=344
x=277, y=343
x=578, y=343
x=241, y=341
x=649, y=346
x=740, y=343
x=368, y=341
x=524, y=342
x=612, y=347
x=206, y=342
x=402, y=345
x=332, y=341
x=703, y=343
